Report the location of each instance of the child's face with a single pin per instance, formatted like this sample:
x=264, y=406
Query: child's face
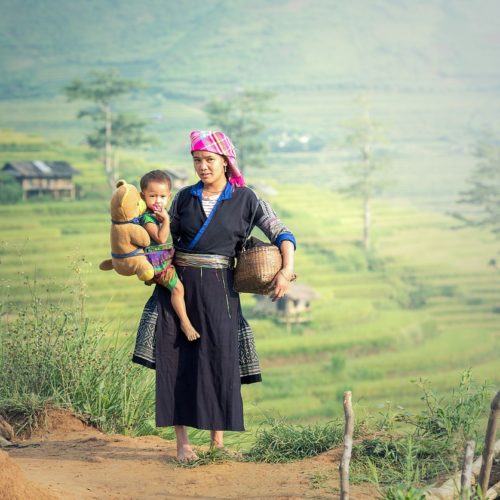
x=156, y=195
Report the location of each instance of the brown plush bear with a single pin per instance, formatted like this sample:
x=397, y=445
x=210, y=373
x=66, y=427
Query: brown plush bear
x=128, y=238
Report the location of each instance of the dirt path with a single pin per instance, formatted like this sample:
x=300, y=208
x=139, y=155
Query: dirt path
x=72, y=461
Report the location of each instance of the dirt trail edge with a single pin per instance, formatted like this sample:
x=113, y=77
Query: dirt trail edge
x=74, y=461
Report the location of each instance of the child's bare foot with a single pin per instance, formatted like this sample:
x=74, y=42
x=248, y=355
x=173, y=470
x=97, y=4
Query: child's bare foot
x=186, y=453
x=189, y=331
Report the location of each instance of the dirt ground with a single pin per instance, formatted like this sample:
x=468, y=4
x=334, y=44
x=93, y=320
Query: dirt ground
x=70, y=460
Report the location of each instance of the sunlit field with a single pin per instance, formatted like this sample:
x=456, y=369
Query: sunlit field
x=427, y=306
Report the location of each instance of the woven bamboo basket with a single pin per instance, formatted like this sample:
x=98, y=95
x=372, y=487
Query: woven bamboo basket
x=255, y=269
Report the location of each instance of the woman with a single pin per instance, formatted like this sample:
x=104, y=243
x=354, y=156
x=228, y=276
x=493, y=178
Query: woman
x=198, y=383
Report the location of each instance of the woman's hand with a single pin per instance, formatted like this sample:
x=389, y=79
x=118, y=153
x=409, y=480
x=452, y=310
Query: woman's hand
x=280, y=284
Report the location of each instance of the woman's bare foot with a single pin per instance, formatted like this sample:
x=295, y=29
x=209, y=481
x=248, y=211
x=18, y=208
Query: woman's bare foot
x=217, y=439
x=184, y=450
x=185, y=453
x=189, y=331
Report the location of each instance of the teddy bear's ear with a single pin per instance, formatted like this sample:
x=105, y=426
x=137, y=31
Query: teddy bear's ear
x=121, y=182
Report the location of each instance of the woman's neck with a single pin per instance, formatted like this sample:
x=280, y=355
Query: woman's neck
x=216, y=187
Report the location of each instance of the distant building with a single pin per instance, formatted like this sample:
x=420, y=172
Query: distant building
x=179, y=179
x=265, y=189
x=294, y=307
x=43, y=177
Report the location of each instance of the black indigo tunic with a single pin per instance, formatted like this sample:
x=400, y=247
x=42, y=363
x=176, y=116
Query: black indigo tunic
x=198, y=383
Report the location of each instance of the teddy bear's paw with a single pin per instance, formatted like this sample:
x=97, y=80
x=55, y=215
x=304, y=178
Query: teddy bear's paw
x=146, y=275
x=106, y=265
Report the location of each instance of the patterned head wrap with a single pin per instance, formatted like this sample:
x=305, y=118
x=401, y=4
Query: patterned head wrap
x=219, y=143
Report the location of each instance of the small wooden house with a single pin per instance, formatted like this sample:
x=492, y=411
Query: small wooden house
x=43, y=177
x=294, y=307
x=179, y=179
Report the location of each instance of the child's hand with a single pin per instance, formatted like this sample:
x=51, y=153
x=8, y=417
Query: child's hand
x=161, y=214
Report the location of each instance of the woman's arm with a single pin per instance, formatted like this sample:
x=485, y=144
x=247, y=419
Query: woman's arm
x=269, y=223
x=282, y=280
x=278, y=234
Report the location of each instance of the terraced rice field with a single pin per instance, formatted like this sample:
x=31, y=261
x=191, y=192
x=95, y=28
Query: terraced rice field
x=429, y=308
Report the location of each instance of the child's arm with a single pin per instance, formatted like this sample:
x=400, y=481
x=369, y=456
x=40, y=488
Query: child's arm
x=159, y=233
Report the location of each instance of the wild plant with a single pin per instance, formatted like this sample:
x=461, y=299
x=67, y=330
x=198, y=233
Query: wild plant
x=450, y=417
x=430, y=445
x=52, y=355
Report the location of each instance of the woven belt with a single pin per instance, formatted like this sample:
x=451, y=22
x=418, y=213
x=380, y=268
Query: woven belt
x=203, y=260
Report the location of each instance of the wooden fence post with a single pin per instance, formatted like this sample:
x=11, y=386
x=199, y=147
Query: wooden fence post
x=466, y=477
x=489, y=444
x=346, y=455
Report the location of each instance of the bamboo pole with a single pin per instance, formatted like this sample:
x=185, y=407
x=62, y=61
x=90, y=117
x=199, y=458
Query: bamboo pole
x=489, y=444
x=346, y=455
x=466, y=477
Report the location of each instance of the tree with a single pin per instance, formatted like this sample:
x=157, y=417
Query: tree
x=483, y=194
x=367, y=174
x=112, y=129
x=241, y=117
x=10, y=189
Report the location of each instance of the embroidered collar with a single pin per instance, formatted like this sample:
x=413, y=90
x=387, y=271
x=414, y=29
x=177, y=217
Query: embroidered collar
x=227, y=193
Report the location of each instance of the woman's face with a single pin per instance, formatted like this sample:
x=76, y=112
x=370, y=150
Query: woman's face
x=210, y=168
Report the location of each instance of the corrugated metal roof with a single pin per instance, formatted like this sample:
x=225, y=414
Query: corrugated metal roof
x=38, y=168
x=43, y=167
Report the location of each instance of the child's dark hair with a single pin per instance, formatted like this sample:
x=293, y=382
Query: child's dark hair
x=155, y=176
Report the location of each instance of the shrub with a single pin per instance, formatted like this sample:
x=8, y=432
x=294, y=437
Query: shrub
x=452, y=416
x=10, y=189
x=53, y=356
x=337, y=363
x=433, y=445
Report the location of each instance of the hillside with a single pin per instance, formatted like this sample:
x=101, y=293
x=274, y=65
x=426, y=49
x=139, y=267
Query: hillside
x=428, y=308
x=426, y=67
x=224, y=43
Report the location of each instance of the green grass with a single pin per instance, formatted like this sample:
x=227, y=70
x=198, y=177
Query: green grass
x=280, y=442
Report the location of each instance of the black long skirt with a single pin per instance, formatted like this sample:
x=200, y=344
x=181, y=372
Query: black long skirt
x=198, y=383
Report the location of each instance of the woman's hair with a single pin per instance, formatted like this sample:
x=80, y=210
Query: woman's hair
x=155, y=176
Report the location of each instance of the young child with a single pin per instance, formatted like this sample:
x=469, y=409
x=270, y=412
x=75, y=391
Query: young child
x=155, y=191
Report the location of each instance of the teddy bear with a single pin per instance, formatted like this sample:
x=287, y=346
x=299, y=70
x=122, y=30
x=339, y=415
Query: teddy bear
x=128, y=238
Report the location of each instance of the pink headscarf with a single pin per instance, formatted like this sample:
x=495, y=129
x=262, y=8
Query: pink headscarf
x=219, y=143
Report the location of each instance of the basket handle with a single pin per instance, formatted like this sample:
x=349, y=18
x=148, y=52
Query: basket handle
x=250, y=227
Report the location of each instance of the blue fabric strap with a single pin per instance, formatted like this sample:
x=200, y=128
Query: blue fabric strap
x=135, y=220
x=203, y=228
x=134, y=253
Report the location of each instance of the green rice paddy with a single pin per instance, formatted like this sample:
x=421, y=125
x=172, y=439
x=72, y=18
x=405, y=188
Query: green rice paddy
x=429, y=307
